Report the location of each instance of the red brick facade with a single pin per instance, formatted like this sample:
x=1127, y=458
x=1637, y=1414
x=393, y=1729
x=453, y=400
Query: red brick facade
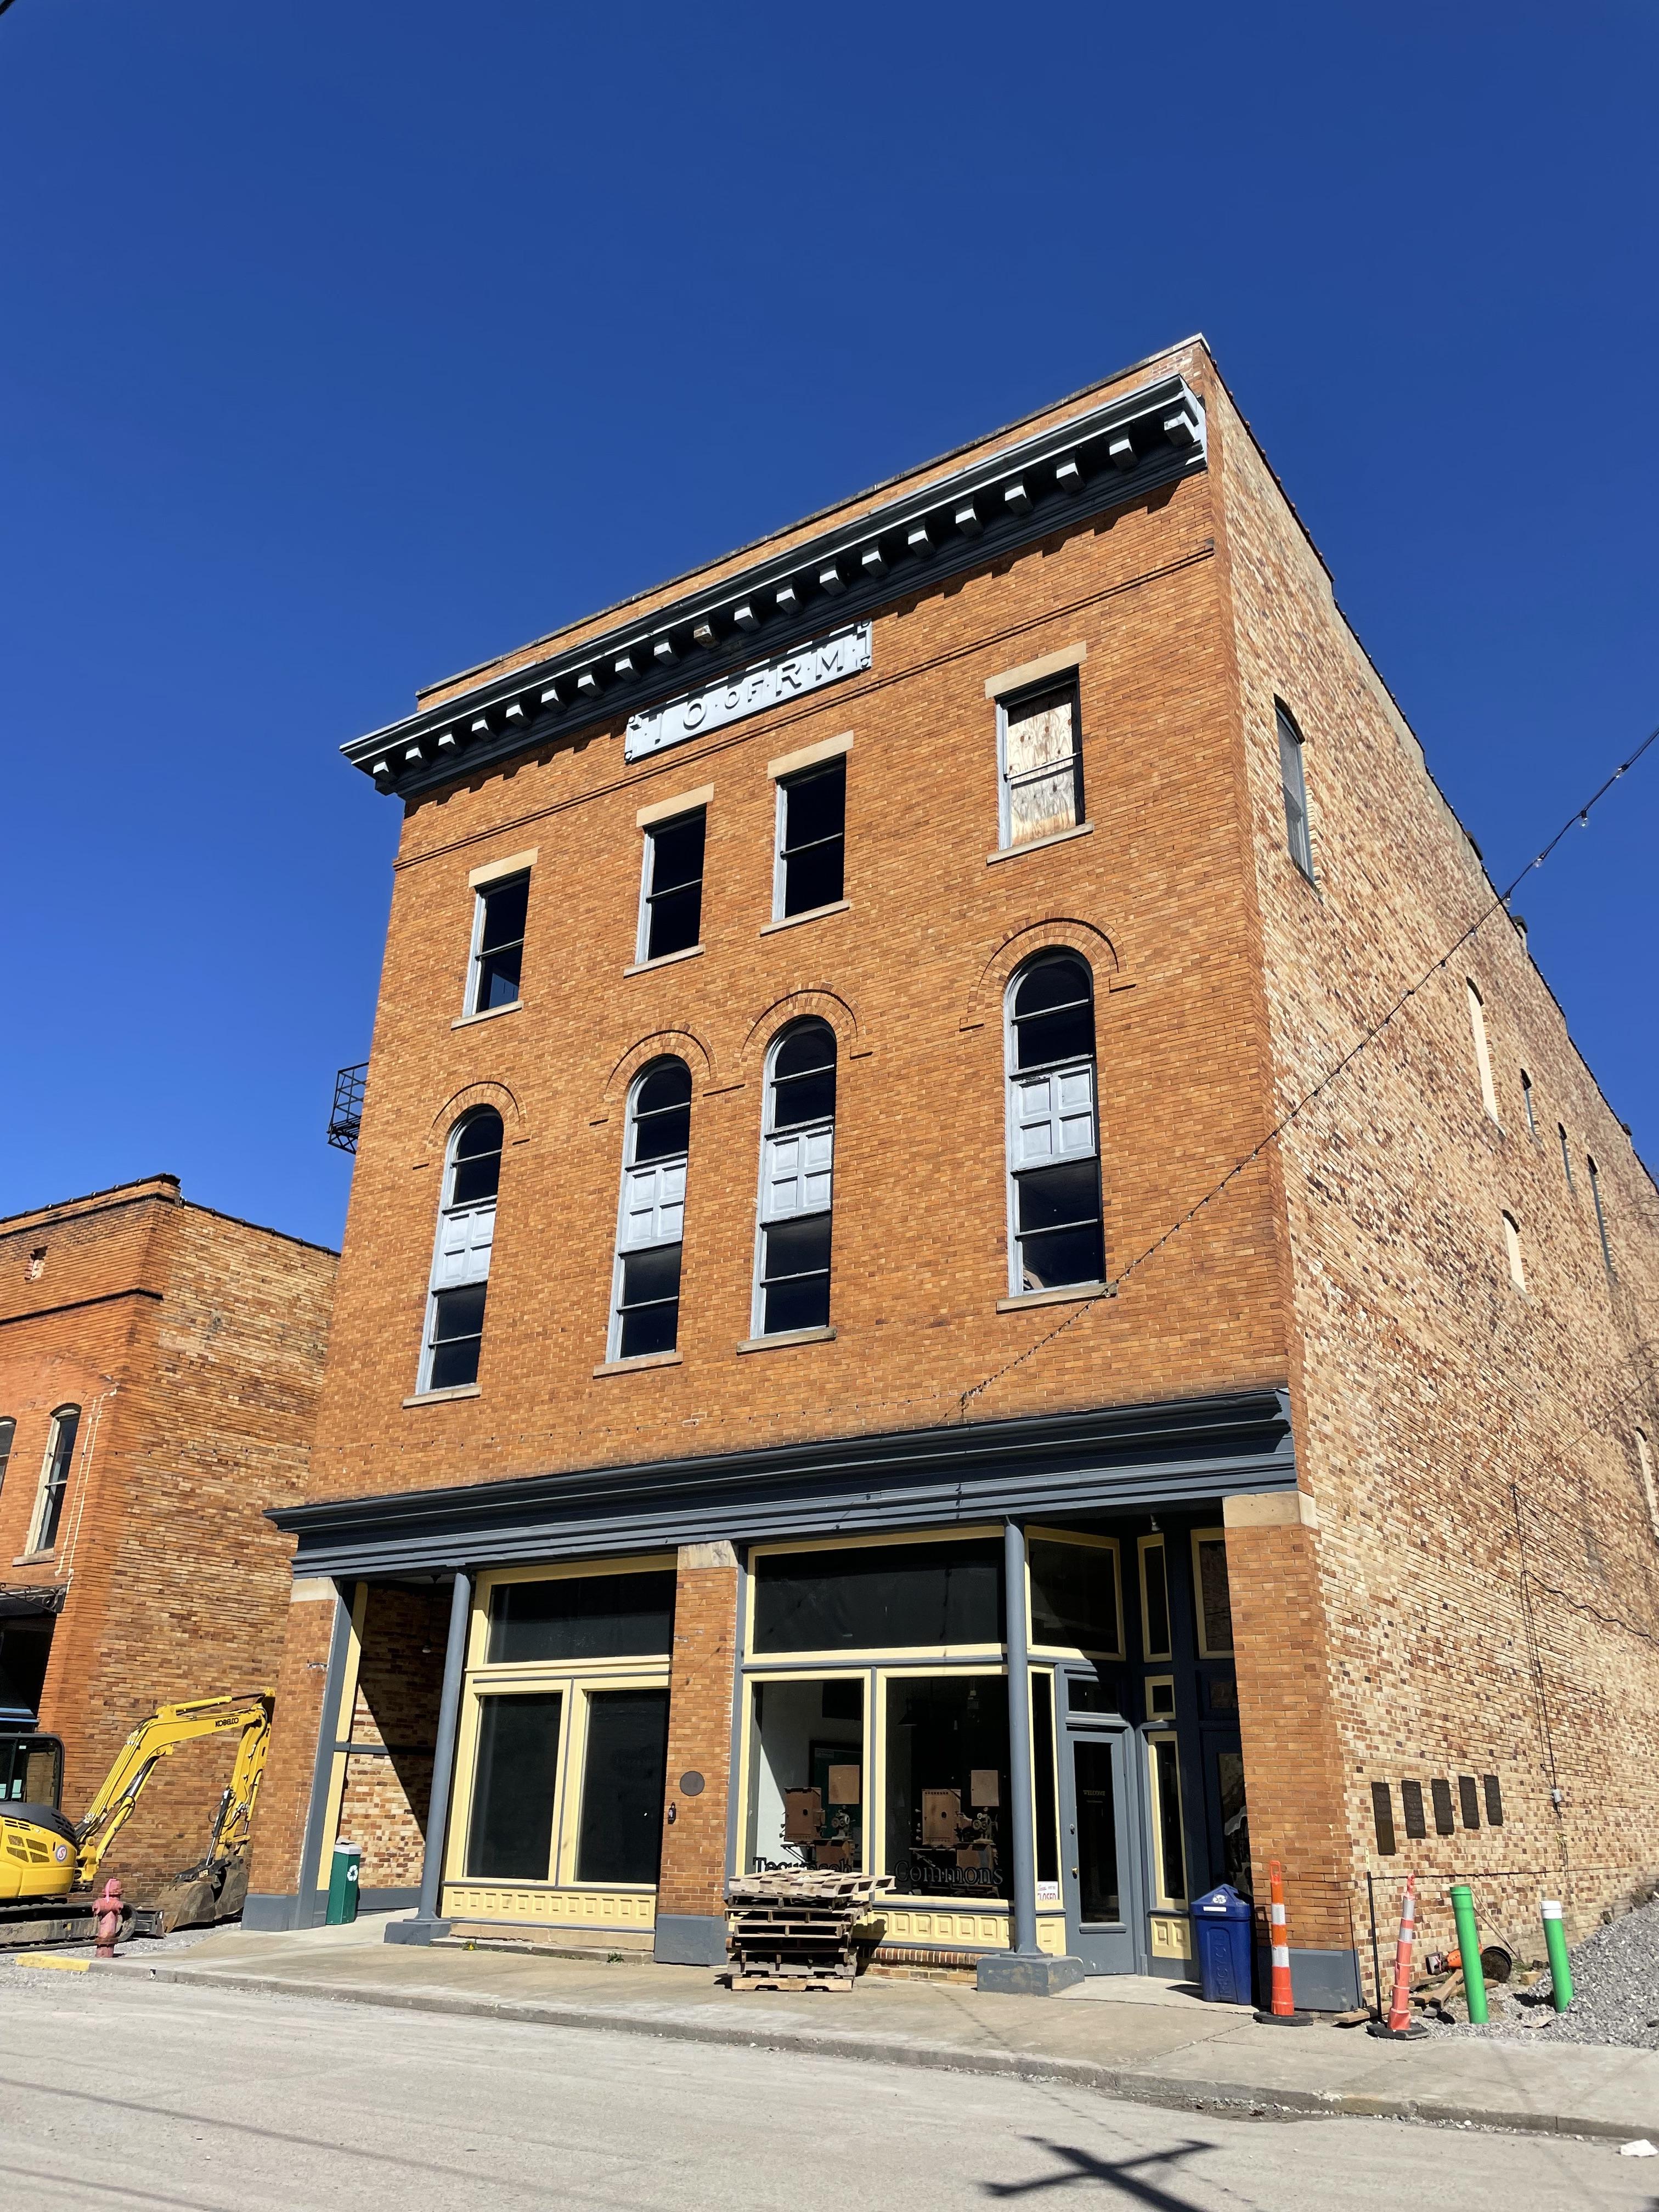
x=193, y=1346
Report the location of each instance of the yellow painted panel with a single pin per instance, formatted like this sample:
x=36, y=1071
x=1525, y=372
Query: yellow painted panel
x=554, y=1908
x=1171, y=1938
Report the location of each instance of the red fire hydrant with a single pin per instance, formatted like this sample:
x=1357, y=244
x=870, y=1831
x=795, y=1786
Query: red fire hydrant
x=107, y=1911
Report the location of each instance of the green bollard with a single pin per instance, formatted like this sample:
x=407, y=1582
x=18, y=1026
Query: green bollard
x=1469, y=1943
x=1555, y=1942
x=343, y=1885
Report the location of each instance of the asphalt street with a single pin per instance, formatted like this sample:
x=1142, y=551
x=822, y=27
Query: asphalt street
x=114, y=2094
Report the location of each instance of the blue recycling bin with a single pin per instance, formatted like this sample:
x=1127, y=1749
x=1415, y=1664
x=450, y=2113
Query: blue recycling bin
x=1221, y=1934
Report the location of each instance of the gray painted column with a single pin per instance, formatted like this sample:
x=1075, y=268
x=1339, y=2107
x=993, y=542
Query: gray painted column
x=443, y=1759
x=328, y=1730
x=1020, y=1787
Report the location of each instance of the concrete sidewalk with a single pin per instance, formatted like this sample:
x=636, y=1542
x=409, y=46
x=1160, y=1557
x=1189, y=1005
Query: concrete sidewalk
x=1144, y=2041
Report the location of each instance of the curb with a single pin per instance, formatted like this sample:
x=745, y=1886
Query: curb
x=1168, y=2091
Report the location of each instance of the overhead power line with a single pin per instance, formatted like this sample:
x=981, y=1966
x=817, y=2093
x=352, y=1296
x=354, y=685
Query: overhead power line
x=1580, y=816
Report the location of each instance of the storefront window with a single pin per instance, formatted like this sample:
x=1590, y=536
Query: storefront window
x=806, y=1775
x=947, y=1785
x=1215, y=1639
x=1043, y=1788
x=1154, y=1600
x=511, y=1834
x=1235, y=1821
x=880, y=1597
x=581, y=1617
x=1171, y=1868
x=620, y=1838
x=1074, y=1594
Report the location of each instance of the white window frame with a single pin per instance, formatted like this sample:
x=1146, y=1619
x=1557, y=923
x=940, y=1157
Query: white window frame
x=767, y=1214
x=1062, y=1112
x=1063, y=679
x=482, y=892
x=1286, y=725
x=43, y=1491
x=1512, y=1250
x=652, y=821
x=472, y=1268
x=797, y=768
x=666, y=1199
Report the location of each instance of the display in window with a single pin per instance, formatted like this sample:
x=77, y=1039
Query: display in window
x=806, y=1777
x=947, y=1785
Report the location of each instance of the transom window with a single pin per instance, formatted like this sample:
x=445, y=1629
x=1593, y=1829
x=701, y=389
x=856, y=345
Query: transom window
x=645, y=1301
x=498, y=927
x=1056, y=1236
x=797, y=1181
x=811, y=869
x=670, y=919
x=1040, y=742
x=461, y=1263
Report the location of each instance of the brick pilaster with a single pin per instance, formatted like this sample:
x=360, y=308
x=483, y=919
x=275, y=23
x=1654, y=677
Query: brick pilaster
x=692, y=1879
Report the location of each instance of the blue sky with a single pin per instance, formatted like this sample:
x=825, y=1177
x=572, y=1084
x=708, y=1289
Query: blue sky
x=346, y=344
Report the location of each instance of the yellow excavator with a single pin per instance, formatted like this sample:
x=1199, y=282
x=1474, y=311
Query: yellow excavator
x=49, y=1863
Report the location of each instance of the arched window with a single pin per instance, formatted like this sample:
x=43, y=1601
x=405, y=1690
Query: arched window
x=461, y=1265
x=1056, y=1236
x=645, y=1313
x=797, y=1152
x=54, y=1477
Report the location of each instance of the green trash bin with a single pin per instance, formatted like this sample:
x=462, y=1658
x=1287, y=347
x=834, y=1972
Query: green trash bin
x=343, y=1884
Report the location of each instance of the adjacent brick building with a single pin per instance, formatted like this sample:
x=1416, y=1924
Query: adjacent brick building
x=159, y=1370
x=820, y=1260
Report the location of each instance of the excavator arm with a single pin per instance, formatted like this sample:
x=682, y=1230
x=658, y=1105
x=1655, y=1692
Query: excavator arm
x=156, y=1738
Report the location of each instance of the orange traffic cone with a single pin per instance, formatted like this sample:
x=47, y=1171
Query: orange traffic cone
x=1282, y=2011
x=1399, y=2023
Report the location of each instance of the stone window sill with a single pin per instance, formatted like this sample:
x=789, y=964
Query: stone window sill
x=812, y=914
x=34, y=1559
x=787, y=1336
x=664, y=960
x=1069, y=1294
x=640, y=1359
x=487, y=1014
x=439, y=1397
x=1037, y=844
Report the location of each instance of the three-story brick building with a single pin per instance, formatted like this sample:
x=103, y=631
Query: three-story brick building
x=829, y=1367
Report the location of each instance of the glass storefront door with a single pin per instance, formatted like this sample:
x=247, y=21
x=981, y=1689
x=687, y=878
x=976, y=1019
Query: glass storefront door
x=1099, y=1821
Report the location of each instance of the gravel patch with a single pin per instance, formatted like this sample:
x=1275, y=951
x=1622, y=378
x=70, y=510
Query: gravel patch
x=1615, y=1994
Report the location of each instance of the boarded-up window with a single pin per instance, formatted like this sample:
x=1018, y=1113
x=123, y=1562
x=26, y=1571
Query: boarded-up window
x=1411, y=1802
x=1440, y=1791
x=1041, y=765
x=1494, y=1801
x=1382, y=1814
x=1470, y=1799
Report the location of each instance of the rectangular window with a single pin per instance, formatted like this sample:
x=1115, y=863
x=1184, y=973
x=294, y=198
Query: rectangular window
x=1469, y=1798
x=510, y=1836
x=1526, y=1100
x=1043, y=1788
x=671, y=916
x=1600, y=1218
x=620, y=1835
x=8, y=1431
x=1154, y=1600
x=1482, y=1056
x=1440, y=1791
x=1512, y=1247
x=498, y=927
x=1494, y=1797
x=457, y=1338
x=880, y=1597
x=1039, y=740
x=795, y=1283
x=1293, y=784
x=581, y=1617
x=1383, y=1819
x=54, y=1477
x=806, y=1775
x=811, y=869
x=1171, y=1858
x=1074, y=1595
x=948, y=1785
x=1215, y=1619
x=1410, y=1803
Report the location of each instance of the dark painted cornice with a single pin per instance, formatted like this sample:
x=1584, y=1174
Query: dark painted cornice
x=1069, y=1462
x=1107, y=457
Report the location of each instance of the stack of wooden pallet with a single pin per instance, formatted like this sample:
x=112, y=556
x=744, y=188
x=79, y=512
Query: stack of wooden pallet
x=794, y=1931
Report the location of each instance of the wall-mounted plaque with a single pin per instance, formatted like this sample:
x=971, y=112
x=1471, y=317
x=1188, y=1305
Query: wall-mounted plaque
x=768, y=684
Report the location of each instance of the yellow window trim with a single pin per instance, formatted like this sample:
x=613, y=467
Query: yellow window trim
x=1147, y=1544
x=1162, y=1901
x=1092, y=1542
x=874, y=1656
x=1206, y=1536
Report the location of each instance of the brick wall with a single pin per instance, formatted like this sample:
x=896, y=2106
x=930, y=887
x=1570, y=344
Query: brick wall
x=194, y=1344
x=1425, y=1384
x=693, y=1873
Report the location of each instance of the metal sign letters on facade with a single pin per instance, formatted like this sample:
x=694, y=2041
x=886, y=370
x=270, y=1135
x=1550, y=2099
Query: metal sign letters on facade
x=826, y=661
